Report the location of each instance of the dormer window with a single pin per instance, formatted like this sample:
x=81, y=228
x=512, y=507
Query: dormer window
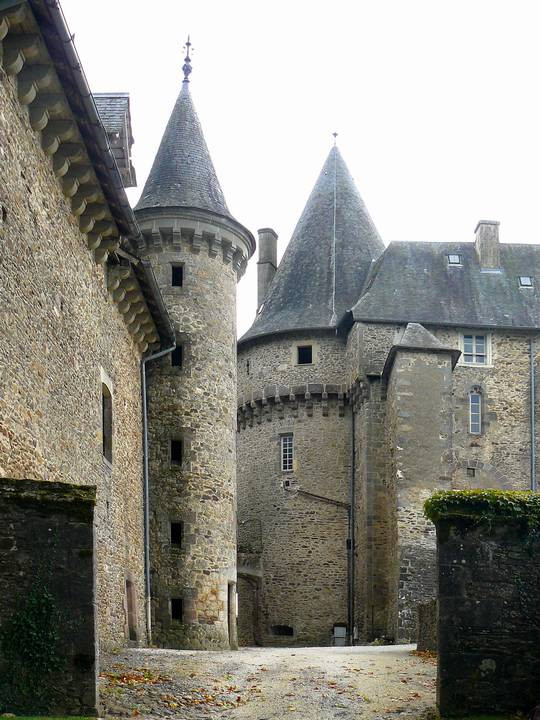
x=454, y=259
x=525, y=281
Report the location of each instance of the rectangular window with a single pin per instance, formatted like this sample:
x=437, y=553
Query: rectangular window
x=106, y=422
x=282, y=630
x=177, y=609
x=475, y=413
x=471, y=472
x=525, y=281
x=177, y=356
x=454, y=259
x=176, y=452
x=177, y=275
x=176, y=533
x=475, y=349
x=286, y=453
x=305, y=354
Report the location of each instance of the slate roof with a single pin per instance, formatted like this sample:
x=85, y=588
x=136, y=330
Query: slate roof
x=413, y=282
x=112, y=109
x=417, y=338
x=183, y=174
x=305, y=292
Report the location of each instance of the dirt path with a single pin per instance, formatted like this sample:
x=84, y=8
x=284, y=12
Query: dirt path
x=269, y=683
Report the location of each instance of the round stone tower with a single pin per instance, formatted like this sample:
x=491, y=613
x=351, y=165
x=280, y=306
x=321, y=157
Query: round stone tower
x=294, y=442
x=198, y=252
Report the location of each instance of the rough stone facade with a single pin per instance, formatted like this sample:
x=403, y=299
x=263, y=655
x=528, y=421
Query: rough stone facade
x=61, y=332
x=47, y=542
x=489, y=631
x=293, y=546
x=411, y=437
x=195, y=404
x=427, y=626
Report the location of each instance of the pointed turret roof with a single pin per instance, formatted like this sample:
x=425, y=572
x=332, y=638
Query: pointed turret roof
x=183, y=174
x=324, y=268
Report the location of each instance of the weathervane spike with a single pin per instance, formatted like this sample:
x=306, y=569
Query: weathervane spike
x=335, y=138
x=186, y=67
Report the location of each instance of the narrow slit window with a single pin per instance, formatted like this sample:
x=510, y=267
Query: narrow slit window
x=177, y=356
x=286, y=453
x=454, y=259
x=177, y=275
x=475, y=413
x=177, y=532
x=177, y=609
x=177, y=452
x=475, y=349
x=305, y=354
x=106, y=422
x=525, y=281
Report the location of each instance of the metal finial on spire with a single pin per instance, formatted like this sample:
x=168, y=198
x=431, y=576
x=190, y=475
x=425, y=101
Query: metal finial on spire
x=186, y=67
x=335, y=137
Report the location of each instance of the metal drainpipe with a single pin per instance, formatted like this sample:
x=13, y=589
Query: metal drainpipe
x=148, y=604
x=351, y=528
x=533, y=414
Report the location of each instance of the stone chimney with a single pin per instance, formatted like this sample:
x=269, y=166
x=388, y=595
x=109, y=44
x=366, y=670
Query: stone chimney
x=487, y=244
x=267, y=262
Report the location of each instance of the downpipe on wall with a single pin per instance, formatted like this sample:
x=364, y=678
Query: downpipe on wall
x=532, y=360
x=351, y=540
x=146, y=491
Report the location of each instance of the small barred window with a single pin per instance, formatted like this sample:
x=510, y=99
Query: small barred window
x=286, y=453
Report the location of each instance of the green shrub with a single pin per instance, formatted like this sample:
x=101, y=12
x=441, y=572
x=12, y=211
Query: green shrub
x=488, y=505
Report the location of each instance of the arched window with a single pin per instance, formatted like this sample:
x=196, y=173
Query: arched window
x=106, y=421
x=475, y=412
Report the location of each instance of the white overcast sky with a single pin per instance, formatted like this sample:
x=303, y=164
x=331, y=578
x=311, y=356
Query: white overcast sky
x=437, y=104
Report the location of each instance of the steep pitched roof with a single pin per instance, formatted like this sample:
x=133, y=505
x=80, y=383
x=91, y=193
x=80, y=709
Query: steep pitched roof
x=413, y=282
x=183, y=174
x=326, y=262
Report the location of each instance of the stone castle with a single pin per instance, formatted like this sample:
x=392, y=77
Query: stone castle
x=369, y=378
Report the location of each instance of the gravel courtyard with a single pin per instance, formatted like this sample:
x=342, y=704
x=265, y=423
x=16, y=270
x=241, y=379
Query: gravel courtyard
x=270, y=683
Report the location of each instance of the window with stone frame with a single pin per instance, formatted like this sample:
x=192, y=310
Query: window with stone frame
x=176, y=451
x=287, y=452
x=304, y=354
x=106, y=422
x=177, y=609
x=177, y=356
x=177, y=533
x=475, y=412
x=476, y=348
x=177, y=275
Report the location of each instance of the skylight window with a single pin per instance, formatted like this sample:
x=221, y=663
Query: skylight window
x=525, y=281
x=454, y=259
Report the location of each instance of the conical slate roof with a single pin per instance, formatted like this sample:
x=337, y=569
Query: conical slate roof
x=183, y=174
x=325, y=265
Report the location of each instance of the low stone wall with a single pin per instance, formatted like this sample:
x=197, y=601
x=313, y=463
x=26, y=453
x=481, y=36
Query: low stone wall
x=48, y=661
x=488, y=581
x=427, y=626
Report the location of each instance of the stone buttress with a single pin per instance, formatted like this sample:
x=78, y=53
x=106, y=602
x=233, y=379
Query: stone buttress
x=198, y=252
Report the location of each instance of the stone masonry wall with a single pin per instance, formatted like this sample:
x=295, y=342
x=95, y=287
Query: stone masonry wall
x=196, y=404
x=269, y=361
x=58, y=328
x=500, y=457
x=302, y=540
x=47, y=543
x=489, y=626
x=419, y=436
